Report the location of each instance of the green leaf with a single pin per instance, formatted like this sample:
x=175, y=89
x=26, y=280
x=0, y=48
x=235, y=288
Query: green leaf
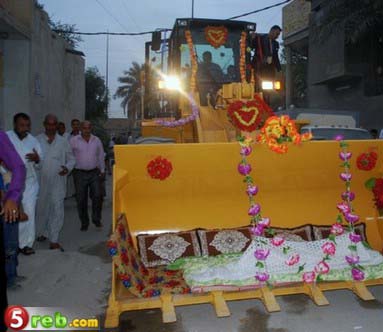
x=352, y=247
x=269, y=284
x=366, y=245
x=370, y=183
x=263, y=242
x=343, y=144
x=331, y=237
x=301, y=268
x=260, y=265
x=349, y=228
x=360, y=267
x=286, y=250
x=270, y=231
x=326, y=258
x=319, y=278
x=339, y=219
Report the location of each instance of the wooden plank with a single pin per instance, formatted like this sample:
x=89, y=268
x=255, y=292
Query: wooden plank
x=112, y=318
x=360, y=289
x=168, y=311
x=316, y=295
x=269, y=300
x=220, y=305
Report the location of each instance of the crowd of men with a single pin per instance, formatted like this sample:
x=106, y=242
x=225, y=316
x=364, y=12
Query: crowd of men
x=34, y=172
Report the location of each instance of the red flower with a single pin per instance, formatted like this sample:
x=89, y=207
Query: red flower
x=159, y=168
x=367, y=161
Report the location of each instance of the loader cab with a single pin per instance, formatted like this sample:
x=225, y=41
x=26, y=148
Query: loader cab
x=218, y=61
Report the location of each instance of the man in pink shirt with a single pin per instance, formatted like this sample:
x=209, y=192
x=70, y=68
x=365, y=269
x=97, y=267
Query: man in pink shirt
x=88, y=174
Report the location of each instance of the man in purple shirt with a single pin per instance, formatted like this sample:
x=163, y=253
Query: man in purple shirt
x=88, y=174
x=11, y=159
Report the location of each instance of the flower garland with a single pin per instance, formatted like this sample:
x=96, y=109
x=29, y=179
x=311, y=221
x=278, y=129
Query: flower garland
x=159, y=168
x=249, y=116
x=242, y=61
x=367, y=161
x=346, y=212
x=193, y=59
x=277, y=131
x=182, y=121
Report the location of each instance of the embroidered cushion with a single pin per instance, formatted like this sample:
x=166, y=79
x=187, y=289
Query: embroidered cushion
x=299, y=234
x=322, y=232
x=161, y=249
x=224, y=241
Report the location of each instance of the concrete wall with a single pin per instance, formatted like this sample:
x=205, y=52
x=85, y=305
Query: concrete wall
x=41, y=77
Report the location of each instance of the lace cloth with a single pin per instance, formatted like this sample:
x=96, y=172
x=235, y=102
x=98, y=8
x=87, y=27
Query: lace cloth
x=310, y=255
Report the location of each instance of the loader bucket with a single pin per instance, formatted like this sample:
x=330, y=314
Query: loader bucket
x=205, y=189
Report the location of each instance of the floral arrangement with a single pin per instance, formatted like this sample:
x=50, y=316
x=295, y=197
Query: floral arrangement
x=277, y=131
x=182, y=121
x=249, y=116
x=159, y=168
x=376, y=186
x=242, y=61
x=216, y=36
x=193, y=57
x=367, y=161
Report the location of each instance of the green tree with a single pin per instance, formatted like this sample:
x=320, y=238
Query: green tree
x=96, y=96
x=66, y=31
x=358, y=17
x=130, y=90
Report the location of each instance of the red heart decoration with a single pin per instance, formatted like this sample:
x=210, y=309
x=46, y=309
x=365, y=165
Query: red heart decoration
x=216, y=36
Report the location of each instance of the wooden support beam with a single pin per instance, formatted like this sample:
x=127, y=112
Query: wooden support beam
x=220, y=304
x=360, y=289
x=112, y=319
x=316, y=295
x=269, y=300
x=168, y=311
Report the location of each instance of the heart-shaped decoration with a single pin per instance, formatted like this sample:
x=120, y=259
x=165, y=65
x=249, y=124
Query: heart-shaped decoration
x=245, y=116
x=216, y=36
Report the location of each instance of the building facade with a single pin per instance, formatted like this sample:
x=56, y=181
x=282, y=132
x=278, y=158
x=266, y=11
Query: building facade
x=39, y=72
x=340, y=75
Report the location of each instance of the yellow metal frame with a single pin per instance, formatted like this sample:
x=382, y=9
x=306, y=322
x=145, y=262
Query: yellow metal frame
x=205, y=190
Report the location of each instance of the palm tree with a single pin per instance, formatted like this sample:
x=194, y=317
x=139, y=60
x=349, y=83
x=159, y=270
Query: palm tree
x=130, y=90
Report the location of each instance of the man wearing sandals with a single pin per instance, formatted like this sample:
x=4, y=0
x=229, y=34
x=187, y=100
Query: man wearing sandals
x=58, y=163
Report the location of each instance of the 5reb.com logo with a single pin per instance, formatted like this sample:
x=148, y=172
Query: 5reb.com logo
x=19, y=318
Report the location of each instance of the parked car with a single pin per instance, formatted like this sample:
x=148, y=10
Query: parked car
x=321, y=133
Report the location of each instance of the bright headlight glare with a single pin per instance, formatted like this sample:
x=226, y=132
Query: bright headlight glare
x=267, y=85
x=170, y=83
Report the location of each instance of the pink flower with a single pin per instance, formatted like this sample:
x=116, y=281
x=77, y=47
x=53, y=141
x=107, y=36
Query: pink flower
x=355, y=238
x=254, y=210
x=262, y=276
x=261, y=254
x=292, y=260
x=257, y=230
x=337, y=229
x=348, y=195
x=277, y=241
x=357, y=274
x=264, y=222
x=322, y=268
x=352, y=259
x=345, y=176
x=329, y=248
x=339, y=138
x=244, y=169
x=308, y=277
x=246, y=150
x=345, y=155
x=351, y=218
x=252, y=190
x=343, y=207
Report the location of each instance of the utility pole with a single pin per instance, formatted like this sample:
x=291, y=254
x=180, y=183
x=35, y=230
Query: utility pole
x=107, y=74
x=192, y=9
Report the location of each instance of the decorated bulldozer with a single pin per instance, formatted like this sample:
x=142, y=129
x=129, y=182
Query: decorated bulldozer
x=253, y=211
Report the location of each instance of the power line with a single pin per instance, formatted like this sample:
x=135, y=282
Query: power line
x=111, y=15
x=110, y=33
x=260, y=10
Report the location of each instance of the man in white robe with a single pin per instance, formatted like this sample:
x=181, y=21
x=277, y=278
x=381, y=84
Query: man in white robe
x=58, y=163
x=30, y=152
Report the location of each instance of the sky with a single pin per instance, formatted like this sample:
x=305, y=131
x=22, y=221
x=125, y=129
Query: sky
x=138, y=16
